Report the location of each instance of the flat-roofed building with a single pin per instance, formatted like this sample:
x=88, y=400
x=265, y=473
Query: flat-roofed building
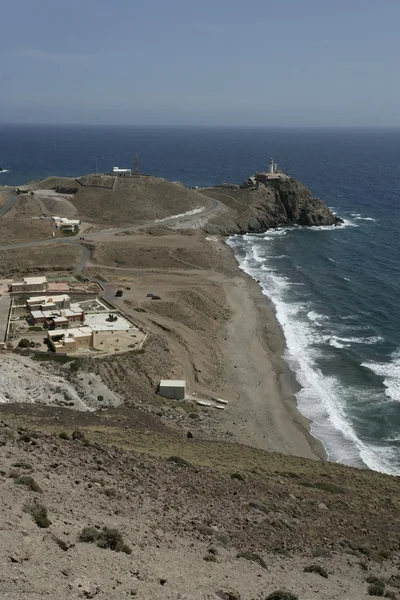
x=72, y=340
x=30, y=284
x=48, y=302
x=172, y=388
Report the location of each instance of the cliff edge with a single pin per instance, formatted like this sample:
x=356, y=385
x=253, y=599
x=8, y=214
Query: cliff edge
x=275, y=203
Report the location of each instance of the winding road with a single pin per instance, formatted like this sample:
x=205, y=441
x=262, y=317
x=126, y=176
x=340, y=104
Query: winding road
x=98, y=235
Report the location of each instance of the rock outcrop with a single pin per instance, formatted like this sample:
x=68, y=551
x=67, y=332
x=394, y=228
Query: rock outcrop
x=274, y=204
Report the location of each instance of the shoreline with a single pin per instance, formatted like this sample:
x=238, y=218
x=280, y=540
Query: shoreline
x=268, y=406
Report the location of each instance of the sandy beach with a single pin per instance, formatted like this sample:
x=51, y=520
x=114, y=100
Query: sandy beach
x=263, y=412
x=222, y=335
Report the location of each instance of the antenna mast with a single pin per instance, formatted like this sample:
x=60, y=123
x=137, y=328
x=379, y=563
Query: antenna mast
x=137, y=168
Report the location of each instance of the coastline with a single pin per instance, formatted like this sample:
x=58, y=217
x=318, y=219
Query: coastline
x=264, y=412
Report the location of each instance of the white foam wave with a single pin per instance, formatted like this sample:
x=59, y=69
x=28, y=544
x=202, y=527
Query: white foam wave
x=4, y=171
x=334, y=342
x=331, y=259
x=357, y=340
x=390, y=371
x=316, y=317
x=322, y=398
x=365, y=219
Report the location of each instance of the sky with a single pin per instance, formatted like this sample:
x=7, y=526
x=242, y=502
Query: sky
x=208, y=62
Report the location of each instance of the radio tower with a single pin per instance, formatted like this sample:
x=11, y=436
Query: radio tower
x=136, y=172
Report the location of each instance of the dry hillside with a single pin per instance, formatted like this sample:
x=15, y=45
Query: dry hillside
x=184, y=519
x=122, y=201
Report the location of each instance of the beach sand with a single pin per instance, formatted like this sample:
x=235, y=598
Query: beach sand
x=222, y=335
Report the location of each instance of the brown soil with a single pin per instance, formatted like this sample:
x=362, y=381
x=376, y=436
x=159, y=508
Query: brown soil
x=281, y=514
x=122, y=201
x=62, y=257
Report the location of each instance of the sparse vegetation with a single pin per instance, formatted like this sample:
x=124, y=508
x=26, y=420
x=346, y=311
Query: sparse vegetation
x=375, y=580
x=39, y=514
x=259, y=506
x=22, y=465
x=89, y=534
x=64, y=435
x=325, y=486
x=376, y=590
x=253, y=557
x=281, y=595
x=24, y=343
x=237, y=476
x=316, y=569
x=28, y=482
x=78, y=435
x=25, y=437
x=179, y=461
x=210, y=558
x=105, y=538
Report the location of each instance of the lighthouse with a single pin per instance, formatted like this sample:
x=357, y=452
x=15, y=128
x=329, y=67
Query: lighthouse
x=271, y=166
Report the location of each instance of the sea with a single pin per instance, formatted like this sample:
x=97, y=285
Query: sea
x=336, y=290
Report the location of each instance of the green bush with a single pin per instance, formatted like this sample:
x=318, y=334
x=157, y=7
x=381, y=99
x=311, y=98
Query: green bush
x=24, y=343
x=25, y=437
x=210, y=558
x=316, y=569
x=29, y=482
x=376, y=590
x=237, y=476
x=63, y=435
x=282, y=595
x=22, y=465
x=89, y=534
x=253, y=557
x=106, y=538
x=179, y=461
x=375, y=580
x=78, y=435
x=39, y=514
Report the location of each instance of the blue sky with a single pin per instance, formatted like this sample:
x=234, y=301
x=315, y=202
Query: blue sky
x=208, y=62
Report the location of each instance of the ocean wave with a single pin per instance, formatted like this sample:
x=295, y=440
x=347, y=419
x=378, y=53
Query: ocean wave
x=322, y=398
x=390, y=371
x=365, y=219
x=358, y=340
x=316, y=317
x=4, y=171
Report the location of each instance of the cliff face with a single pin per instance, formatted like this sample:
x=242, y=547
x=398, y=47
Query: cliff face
x=275, y=204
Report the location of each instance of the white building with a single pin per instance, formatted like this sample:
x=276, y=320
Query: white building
x=172, y=388
x=118, y=171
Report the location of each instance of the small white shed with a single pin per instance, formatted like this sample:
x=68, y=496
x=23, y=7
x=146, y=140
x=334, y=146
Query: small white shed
x=172, y=388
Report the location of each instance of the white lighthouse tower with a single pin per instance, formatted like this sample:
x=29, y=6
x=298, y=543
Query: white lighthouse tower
x=271, y=166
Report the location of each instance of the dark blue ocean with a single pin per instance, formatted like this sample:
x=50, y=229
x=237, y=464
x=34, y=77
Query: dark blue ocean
x=336, y=290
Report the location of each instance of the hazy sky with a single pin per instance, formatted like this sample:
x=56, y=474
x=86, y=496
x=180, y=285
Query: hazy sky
x=200, y=62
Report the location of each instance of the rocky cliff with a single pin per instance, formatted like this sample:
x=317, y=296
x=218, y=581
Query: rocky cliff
x=264, y=206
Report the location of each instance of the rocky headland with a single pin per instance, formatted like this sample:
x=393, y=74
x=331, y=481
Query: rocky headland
x=276, y=203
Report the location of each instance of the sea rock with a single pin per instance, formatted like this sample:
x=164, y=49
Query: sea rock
x=272, y=204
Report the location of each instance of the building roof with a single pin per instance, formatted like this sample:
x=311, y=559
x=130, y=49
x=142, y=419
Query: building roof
x=60, y=320
x=37, y=314
x=173, y=383
x=78, y=332
x=34, y=280
x=47, y=299
x=98, y=322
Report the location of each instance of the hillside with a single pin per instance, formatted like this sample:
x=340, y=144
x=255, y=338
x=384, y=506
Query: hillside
x=275, y=204
x=200, y=520
x=116, y=201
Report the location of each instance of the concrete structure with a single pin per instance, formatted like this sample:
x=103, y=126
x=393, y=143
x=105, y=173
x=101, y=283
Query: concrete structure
x=119, y=172
x=66, y=224
x=79, y=338
x=60, y=318
x=30, y=284
x=172, y=388
x=271, y=166
x=48, y=302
